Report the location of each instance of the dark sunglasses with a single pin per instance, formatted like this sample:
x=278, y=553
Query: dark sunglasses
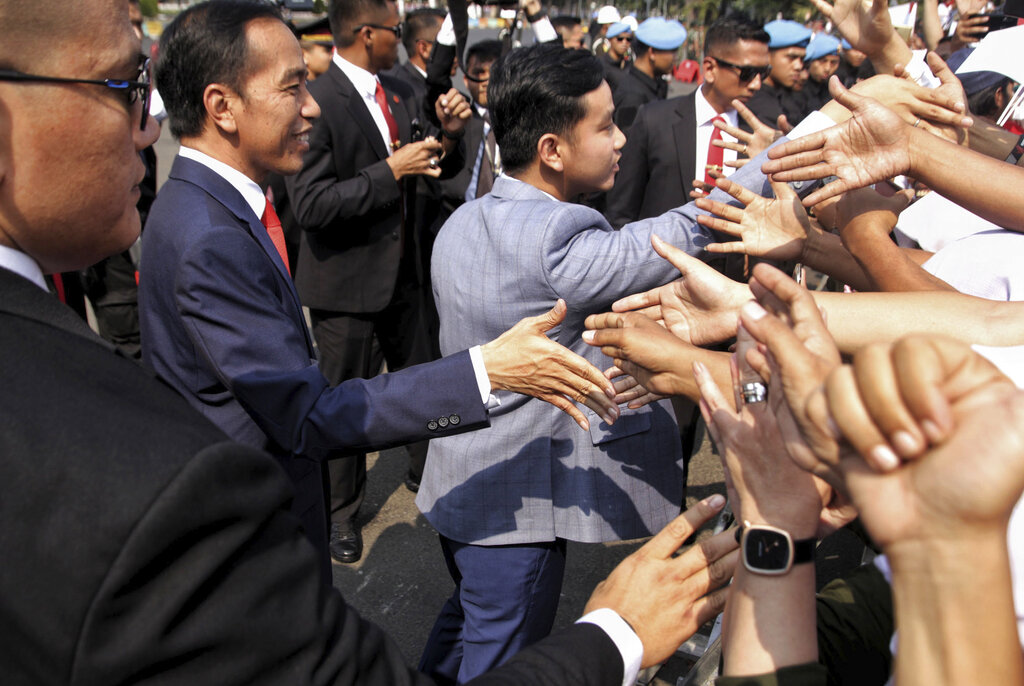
x=396, y=29
x=135, y=90
x=746, y=72
x=628, y=39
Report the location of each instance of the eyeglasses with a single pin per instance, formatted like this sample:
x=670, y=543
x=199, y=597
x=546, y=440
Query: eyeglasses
x=135, y=90
x=628, y=39
x=746, y=72
x=396, y=29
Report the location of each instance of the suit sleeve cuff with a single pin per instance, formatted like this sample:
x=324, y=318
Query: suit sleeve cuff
x=483, y=382
x=624, y=638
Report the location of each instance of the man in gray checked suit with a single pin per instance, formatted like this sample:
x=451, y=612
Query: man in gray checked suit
x=506, y=499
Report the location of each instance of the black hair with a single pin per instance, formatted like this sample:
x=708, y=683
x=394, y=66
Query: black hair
x=345, y=15
x=640, y=48
x=419, y=24
x=983, y=102
x=205, y=44
x=731, y=29
x=484, y=51
x=538, y=90
x=564, y=22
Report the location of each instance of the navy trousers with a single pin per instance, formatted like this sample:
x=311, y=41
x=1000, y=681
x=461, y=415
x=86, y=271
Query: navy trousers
x=505, y=599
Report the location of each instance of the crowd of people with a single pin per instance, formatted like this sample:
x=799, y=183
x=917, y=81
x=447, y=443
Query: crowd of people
x=564, y=271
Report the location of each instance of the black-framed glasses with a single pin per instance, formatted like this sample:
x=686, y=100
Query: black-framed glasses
x=396, y=29
x=747, y=72
x=135, y=90
x=628, y=39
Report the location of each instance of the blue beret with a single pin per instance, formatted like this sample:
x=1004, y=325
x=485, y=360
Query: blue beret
x=785, y=33
x=661, y=34
x=846, y=45
x=973, y=81
x=617, y=28
x=823, y=45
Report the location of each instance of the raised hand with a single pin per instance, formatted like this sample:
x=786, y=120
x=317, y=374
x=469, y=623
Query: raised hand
x=524, y=360
x=453, y=111
x=871, y=146
x=864, y=23
x=748, y=144
x=417, y=158
x=771, y=228
x=700, y=307
x=664, y=596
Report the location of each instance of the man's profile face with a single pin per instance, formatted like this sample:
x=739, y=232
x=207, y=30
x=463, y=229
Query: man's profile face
x=590, y=155
x=384, y=49
x=724, y=82
x=482, y=71
x=787, y=63
x=821, y=69
x=70, y=168
x=275, y=111
x=663, y=61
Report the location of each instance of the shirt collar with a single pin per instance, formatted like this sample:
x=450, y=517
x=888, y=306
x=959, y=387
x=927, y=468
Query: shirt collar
x=705, y=113
x=250, y=190
x=22, y=265
x=364, y=81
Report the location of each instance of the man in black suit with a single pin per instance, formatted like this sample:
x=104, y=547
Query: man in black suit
x=139, y=544
x=654, y=53
x=361, y=268
x=669, y=143
x=419, y=30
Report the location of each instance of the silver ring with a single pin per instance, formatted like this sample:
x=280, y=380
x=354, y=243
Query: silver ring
x=744, y=148
x=432, y=163
x=753, y=392
x=917, y=122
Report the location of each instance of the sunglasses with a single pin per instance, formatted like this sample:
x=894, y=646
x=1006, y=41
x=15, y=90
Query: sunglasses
x=134, y=90
x=396, y=29
x=746, y=72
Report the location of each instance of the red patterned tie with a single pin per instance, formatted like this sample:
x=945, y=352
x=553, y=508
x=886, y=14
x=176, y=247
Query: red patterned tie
x=715, y=153
x=382, y=102
x=273, y=224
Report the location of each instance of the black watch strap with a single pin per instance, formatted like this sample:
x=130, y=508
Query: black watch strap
x=803, y=550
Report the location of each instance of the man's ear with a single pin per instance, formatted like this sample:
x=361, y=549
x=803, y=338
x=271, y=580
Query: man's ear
x=423, y=47
x=708, y=68
x=220, y=103
x=549, y=152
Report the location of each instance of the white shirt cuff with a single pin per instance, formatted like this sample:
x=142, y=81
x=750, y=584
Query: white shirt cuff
x=624, y=638
x=483, y=382
x=543, y=31
x=1009, y=360
x=812, y=123
x=446, y=36
x=920, y=72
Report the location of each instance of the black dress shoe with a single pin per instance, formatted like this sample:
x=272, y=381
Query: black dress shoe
x=346, y=542
x=412, y=482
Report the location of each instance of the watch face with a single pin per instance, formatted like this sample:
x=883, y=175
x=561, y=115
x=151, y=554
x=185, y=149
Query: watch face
x=767, y=551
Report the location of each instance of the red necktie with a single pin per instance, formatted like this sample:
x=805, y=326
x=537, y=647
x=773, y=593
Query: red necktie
x=715, y=153
x=273, y=224
x=382, y=102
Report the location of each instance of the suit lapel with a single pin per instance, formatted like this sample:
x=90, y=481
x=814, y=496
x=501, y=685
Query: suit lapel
x=21, y=297
x=684, y=133
x=358, y=111
x=226, y=194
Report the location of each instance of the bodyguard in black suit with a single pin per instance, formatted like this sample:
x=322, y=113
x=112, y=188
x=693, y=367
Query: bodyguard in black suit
x=662, y=157
x=138, y=544
x=654, y=53
x=361, y=268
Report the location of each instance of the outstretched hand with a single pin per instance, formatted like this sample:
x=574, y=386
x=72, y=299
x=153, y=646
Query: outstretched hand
x=866, y=25
x=524, y=360
x=664, y=596
x=772, y=228
x=700, y=307
x=750, y=144
x=871, y=146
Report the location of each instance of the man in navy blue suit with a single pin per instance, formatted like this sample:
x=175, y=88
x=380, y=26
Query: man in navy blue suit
x=221, y=321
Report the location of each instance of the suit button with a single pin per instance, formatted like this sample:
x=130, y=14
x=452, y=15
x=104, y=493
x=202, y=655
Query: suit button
x=432, y=425
x=442, y=422
x=454, y=419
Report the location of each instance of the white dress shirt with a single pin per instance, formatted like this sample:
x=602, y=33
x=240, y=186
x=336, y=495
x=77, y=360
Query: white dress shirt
x=366, y=85
x=22, y=265
x=705, y=114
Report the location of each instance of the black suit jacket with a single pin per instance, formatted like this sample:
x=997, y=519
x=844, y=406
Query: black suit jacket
x=140, y=546
x=656, y=168
x=357, y=220
x=634, y=90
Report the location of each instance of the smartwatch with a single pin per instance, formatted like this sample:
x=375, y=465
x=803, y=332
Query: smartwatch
x=772, y=551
